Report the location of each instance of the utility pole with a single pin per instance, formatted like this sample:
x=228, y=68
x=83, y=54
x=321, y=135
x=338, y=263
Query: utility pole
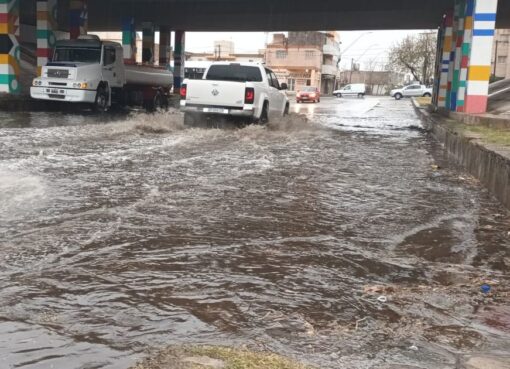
x=352, y=67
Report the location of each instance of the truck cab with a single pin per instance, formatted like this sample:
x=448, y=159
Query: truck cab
x=85, y=70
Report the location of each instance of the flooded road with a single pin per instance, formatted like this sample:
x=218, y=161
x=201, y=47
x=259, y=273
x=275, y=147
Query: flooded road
x=345, y=241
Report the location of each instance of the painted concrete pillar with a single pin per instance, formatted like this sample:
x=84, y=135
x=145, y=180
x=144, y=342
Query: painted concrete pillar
x=164, y=46
x=46, y=27
x=179, y=58
x=9, y=46
x=460, y=17
x=78, y=18
x=129, y=40
x=464, y=54
x=480, y=55
x=445, y=59
x=148, y=43
x=451, y=63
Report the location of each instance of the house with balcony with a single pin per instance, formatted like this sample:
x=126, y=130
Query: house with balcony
x=305, y=59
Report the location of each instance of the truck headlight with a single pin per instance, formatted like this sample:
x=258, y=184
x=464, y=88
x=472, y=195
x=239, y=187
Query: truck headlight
x=80, y=85
x=37, y=82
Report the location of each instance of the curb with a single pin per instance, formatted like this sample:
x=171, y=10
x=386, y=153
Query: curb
x=491, y=168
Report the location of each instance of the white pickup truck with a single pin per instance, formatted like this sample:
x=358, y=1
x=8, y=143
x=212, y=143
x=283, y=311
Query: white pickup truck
x=411, y=91
x=91, y=71
x=234, y=90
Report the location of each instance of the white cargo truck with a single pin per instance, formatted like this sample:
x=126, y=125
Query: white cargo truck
x=91, y=71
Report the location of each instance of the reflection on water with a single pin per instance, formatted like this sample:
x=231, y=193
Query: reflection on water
x=136, y=233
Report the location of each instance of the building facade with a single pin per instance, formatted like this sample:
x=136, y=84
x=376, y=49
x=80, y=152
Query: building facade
x=305, y=59
x=501, y=54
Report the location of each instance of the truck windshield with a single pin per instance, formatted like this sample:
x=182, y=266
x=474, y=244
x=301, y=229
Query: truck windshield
x=234, y=72
x=77, y=55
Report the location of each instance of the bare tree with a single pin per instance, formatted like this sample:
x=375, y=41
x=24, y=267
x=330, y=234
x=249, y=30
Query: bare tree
x=415, y=54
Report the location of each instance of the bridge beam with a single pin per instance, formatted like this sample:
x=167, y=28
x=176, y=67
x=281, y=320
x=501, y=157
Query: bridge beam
x=466, y=47
x=9, y=47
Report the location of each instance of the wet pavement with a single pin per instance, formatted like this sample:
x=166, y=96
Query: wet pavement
x=345, y=240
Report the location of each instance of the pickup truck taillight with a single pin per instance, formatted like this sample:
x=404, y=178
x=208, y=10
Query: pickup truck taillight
x=184, y=91
x=249, y=95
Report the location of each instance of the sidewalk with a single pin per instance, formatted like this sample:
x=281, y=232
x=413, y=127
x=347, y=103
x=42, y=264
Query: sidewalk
x=481, y=144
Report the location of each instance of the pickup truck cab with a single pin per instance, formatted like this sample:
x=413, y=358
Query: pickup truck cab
x=234, y=90
x=411, y=91
x=91, y=71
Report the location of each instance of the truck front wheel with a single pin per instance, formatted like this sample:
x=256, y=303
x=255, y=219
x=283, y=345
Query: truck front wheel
x=101, y=102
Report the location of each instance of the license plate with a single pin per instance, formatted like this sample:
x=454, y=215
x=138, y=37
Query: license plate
x=55, y=91
x=216, y=110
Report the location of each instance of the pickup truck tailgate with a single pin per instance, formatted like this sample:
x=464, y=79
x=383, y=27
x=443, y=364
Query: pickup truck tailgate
x=216, y=93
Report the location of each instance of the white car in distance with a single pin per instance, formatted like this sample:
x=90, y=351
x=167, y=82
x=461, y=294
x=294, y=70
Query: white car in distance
x=411, y=91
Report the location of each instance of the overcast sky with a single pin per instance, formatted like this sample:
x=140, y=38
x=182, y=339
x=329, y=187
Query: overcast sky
x=363, y=47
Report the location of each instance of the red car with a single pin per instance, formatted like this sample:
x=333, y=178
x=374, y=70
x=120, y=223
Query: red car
x=308, y=94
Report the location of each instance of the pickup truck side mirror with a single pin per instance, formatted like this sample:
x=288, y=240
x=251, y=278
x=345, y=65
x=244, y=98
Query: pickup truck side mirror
x=284, y=86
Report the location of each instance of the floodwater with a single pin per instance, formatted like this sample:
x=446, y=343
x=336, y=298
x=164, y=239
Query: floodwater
x=344, y=239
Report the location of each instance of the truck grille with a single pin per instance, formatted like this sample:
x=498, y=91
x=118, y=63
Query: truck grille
x=58, y=73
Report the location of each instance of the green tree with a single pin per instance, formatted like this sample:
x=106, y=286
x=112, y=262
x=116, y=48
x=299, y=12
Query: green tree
x=415, y=54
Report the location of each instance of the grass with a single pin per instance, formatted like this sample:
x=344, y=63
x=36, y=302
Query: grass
x=496, y=136
x=423, y=101
x=233, y=358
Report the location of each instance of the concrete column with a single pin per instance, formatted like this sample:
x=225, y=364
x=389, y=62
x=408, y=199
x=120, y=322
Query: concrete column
x=445, y=59
x=179, y=58
x=46, y=27
x=451, y=65
x=164, y=46
x=78, y=18
x=480, y=55
x=460, y=17
x=148, y=43
x=463, y=56
x=9, y=46
x=129, y=40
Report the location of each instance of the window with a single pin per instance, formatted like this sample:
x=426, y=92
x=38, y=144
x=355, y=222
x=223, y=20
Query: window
x=292, y=84
x=234, y=72
x=502, y=59
x=109, y=55
x=78, y=54
x=309, y=54
x=281, y=54
x=276, y=83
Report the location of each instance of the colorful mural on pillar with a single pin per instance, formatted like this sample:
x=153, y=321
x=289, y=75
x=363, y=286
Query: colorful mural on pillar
x=451, y=65
x=46, y=26
x=445, y=63
x=464, y=55
x=129, y=40
x=179, y=58
x=460, y=9
x=480, y=56
x=9, y=46
x=78, y=18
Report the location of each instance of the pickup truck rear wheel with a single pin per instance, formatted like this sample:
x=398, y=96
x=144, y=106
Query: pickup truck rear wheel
x=190, y=119
x=286, y=110
x=101, y=102
x=264, y=115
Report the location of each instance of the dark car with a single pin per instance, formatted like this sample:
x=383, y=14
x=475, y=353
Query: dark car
x=308, y=94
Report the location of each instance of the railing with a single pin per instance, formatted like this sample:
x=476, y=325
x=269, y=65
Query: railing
x=329, y=49
x=329, y=69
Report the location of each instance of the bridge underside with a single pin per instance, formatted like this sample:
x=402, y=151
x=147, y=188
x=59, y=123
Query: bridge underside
x=277, y=15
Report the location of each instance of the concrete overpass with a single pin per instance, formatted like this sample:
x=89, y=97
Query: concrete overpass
x=466, y=30
x=278, y=15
